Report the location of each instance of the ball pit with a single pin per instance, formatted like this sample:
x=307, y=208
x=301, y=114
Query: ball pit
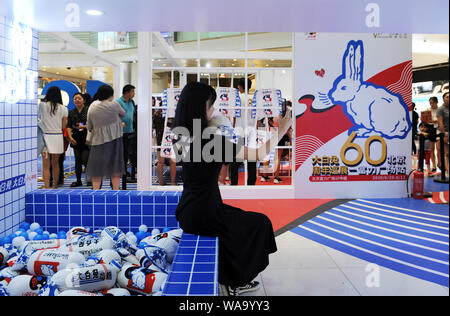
x=106, y=262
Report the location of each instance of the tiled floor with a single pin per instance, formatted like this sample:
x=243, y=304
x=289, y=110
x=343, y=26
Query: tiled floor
x=302, y=267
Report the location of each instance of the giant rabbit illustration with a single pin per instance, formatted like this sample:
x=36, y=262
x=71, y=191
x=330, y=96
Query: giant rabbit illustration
x=373, y=109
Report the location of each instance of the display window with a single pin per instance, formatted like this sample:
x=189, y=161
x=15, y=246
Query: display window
x=252, y=107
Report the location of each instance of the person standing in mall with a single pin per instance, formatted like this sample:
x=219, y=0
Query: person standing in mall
x=77, y=133
x=158, y=124
x=244, y=125
x=434, y=125
x=442, y=116
x=52, y=119
x=128, y=105
x=104, y=125
x=415, y=123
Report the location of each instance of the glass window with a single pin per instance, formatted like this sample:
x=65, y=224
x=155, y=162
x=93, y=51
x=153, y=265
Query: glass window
x=222, y=61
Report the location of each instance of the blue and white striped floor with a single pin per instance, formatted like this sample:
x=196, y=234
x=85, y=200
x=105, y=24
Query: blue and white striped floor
x=404, y=235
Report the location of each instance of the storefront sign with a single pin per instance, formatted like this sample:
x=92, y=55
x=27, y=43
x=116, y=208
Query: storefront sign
x=71, y=89
x=16, y=81
x=12, y=184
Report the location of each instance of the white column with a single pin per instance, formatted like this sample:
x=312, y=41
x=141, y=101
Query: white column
x=144, y=91
x=116, y=85
x=125, y=74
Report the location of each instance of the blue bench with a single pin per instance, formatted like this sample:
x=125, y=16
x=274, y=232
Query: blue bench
x=195, y=267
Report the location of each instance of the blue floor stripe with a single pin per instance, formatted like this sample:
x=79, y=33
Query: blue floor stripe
x=387, y=252
x=382, y=240
x=406, y=217
x=424, y=275
x=427, y=214
x=396, y=221
x=415, y=240
x=421, y=205
x=393, y=227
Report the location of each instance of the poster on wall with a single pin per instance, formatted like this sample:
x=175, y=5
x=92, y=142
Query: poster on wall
x=353, y=115
x=228, y=102
x=268, y=103
x=170, y=100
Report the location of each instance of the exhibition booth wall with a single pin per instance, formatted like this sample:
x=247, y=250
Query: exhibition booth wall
x=18, y=120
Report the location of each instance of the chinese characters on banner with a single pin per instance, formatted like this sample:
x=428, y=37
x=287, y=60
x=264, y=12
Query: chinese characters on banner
x=12, y=184
x=353, y=115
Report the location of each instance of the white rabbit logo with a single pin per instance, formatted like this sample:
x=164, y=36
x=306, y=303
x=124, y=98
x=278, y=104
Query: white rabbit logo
x=373, y=109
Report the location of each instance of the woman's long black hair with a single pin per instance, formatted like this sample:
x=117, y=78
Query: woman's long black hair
x=54, y=97
x=192, y=105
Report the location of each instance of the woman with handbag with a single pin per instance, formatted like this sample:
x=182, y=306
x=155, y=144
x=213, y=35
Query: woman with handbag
x=105, y=133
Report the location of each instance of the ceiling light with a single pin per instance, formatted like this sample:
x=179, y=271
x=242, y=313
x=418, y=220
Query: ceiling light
x=232, y=65
x=208, y=65
x=94, y=12
x=235, y=59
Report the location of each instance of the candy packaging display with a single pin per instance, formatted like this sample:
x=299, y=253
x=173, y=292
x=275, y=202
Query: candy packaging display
x=26, y=285
x=141, y=280
x=89, y=279
x=107, y=262
x=48, y=262
x=4, y=255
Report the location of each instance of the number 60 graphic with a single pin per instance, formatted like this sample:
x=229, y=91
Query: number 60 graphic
x=350, y=145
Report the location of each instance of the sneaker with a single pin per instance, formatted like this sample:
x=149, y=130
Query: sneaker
x=265, y=179
x=236, y=291
x=277, y=180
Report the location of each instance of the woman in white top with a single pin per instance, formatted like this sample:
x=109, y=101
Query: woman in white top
x=104, y=125
x=52, y=119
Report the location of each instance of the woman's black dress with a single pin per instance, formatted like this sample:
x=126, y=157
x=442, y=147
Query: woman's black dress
x=245, y=238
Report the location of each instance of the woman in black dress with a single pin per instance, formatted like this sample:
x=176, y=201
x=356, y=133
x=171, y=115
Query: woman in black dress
x=245, y=238
x=77, y=132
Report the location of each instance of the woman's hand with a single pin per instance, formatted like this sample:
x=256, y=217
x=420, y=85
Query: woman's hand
x=73, y=141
